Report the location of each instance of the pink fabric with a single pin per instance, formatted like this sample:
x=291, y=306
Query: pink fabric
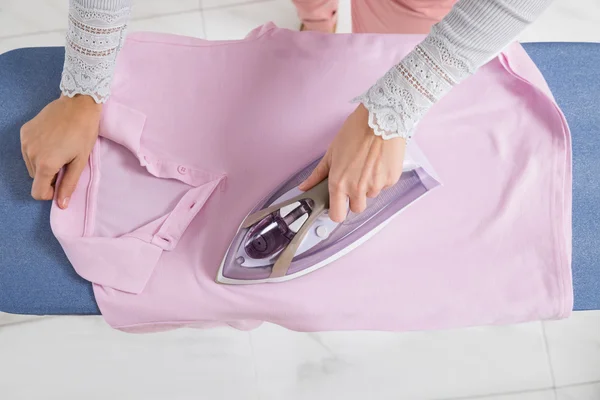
x=225, y=122
x=375, y=16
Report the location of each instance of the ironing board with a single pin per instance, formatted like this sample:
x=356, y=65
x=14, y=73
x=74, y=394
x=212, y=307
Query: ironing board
x=36, y=278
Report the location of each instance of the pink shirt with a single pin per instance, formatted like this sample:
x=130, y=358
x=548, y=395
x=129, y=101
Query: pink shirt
x=197, y=132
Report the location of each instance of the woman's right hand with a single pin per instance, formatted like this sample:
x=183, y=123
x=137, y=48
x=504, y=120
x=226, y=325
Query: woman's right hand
x=61, y=135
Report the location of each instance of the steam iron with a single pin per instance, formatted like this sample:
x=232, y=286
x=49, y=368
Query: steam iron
x=289, y=234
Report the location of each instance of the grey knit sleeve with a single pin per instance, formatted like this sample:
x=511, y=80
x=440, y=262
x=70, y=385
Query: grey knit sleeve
x=472, y=33
x=95, y=35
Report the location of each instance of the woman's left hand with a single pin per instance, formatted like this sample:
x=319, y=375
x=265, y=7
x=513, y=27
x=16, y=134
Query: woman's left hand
x=359, y=165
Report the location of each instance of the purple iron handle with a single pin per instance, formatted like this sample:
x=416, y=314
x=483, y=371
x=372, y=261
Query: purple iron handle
x=320, y=199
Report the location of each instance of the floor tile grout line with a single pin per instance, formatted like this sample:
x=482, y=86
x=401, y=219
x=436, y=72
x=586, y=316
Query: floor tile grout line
x=167, y=14
x=548, y=357
x=549, y=360
x=579, y=384
x=144, y=18
x=543, y=389
x=491, y=395
x=233, y=5
x=202, y=20
x=252, y=350
x=23, y=35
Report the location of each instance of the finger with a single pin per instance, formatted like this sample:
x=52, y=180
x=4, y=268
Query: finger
x=317, y=176
x=378, y=183
x=42, y=189
x=358, y=203
x=386, y=187
x=373, y=192
x=337, y=205
x=27, y=164
x=69, y=181
x=392, y=179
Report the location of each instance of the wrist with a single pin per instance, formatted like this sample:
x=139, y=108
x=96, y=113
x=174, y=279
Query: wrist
x=84, y=101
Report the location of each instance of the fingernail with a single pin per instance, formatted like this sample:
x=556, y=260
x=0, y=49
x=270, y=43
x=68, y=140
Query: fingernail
x=64, y=203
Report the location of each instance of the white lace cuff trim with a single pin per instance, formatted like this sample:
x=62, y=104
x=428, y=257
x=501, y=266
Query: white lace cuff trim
x=94, y=39
x=399, y=100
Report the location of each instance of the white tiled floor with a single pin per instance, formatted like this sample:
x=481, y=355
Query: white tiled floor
x=467, y=362
x=80, y=357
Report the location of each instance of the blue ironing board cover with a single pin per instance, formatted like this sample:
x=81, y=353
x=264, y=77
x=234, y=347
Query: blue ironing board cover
x=36, y=277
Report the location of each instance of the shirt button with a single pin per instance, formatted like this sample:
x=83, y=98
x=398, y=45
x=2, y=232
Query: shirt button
x=182, y=170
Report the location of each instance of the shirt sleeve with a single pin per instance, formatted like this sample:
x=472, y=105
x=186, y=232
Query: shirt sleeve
x=95, y=35
x=472, y=33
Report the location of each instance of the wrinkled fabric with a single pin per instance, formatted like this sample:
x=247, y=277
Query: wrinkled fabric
x=183, y=156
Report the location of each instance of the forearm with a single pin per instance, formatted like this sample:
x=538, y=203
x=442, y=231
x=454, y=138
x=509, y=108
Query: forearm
x=474, y=32
x=95, y=36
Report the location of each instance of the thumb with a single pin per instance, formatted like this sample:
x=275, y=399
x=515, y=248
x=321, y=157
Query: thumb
x=317, y=176
x=69, y=181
